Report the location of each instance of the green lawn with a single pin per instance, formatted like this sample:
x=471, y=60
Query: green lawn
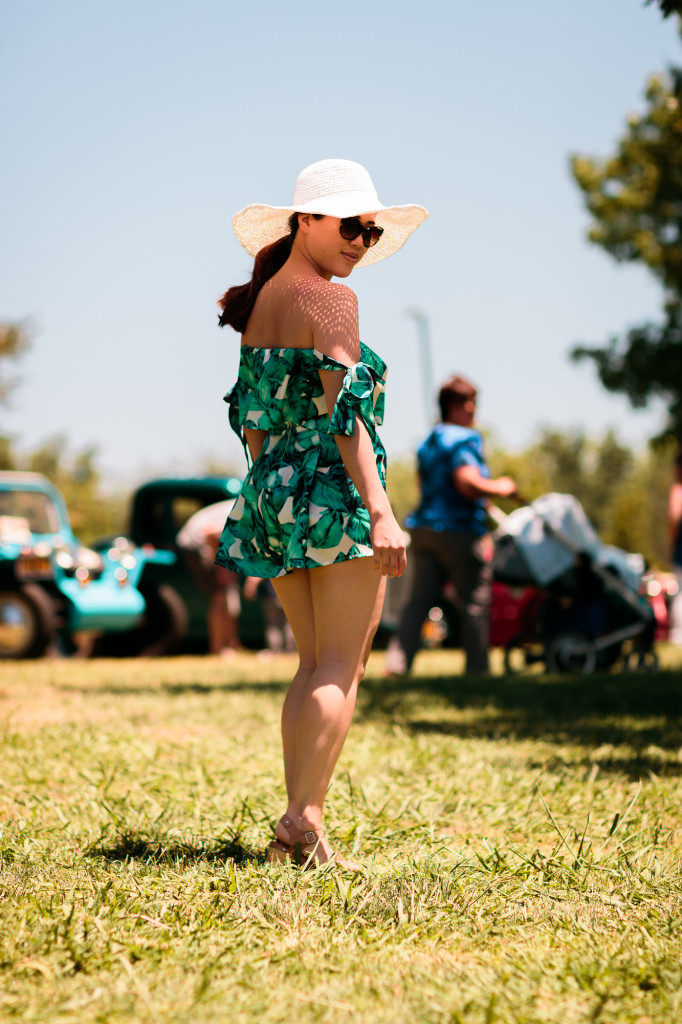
x=521, y=842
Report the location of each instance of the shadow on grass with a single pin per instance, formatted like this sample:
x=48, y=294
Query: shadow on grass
x=131, y=845
x=642, y=711
x=179, y=689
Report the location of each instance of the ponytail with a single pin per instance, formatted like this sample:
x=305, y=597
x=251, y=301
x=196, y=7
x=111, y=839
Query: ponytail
x=237, y=303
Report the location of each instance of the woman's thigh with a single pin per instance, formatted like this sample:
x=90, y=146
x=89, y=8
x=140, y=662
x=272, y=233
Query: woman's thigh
x=295, y=597
x=333, y=610
x=347, y=601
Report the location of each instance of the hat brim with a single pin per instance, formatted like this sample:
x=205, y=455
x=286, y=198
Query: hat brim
x=258, y=225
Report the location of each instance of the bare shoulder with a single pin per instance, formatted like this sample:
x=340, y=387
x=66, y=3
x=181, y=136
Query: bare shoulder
x=332, y=310
x=317, y=294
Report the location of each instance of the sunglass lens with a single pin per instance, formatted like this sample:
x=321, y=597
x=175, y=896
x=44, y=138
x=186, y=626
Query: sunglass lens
x=351, y=227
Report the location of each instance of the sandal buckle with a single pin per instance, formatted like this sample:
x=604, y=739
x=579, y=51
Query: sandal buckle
x=310, y=837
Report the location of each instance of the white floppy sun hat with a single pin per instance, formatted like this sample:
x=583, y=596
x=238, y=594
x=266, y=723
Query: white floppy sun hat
x=336, y=188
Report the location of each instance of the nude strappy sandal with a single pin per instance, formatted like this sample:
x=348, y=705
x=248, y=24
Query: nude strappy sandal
x=301, y=849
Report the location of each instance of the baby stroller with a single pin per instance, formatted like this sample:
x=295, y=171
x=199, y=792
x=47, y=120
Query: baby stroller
x=590, y=611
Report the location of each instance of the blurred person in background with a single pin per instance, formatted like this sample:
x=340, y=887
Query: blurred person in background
x=449, y=532
x=198, y=540
x=279, y=637
x=675, y=527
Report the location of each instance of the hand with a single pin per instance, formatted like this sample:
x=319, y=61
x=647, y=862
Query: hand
x=505, y=487
x=388, y=544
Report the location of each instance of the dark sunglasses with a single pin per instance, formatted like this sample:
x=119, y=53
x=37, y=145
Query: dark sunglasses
x=351, y=227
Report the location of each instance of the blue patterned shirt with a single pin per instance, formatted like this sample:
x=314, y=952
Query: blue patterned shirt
x=442, y=507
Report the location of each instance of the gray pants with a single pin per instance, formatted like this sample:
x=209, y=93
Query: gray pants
x=438, y=557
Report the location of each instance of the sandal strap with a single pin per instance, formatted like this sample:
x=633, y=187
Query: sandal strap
x=296, y=835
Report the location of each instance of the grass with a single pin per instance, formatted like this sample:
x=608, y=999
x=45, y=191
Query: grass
x=521, y=842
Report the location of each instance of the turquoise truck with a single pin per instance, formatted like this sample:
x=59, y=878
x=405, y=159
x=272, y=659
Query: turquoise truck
x=56, y=595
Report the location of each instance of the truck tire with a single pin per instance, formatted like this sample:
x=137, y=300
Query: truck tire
x=166, y=622
x=27, y=622
x=162, y=631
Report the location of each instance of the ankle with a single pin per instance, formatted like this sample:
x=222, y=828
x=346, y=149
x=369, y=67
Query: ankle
x=307, y=818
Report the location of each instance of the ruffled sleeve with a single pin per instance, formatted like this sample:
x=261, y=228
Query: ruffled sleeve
x=260, y=398
x=362, y=393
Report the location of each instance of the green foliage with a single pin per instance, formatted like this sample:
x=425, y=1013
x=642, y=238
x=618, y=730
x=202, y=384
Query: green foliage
x=402, y=486
x=668, y=7
x=94, y=513
x=646, y=364
x=14, y=342
x=635, y=199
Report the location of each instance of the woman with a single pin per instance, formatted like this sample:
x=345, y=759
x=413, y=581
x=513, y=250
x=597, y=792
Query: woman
x=313, y=513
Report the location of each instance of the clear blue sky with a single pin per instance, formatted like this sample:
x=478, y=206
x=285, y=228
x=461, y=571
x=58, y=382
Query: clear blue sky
x=133, y=131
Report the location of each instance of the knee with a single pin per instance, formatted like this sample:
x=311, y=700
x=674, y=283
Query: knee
x=307, y=662
x=340, y=671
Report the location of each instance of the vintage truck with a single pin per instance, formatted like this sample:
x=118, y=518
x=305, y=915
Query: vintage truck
x=56, y=595
x=175, y=619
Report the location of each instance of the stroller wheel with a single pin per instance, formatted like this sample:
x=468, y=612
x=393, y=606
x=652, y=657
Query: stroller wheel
x=523, y=655
x=641, y=661
x=571, y=652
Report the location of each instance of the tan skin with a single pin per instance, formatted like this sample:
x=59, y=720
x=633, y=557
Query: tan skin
x=333, y=610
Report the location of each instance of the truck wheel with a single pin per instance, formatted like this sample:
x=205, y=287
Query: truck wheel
x=162, y=631
x=165, y=623
x=27, y=622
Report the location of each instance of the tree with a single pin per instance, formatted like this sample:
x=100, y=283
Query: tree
x=635, y=199
x=668, y=6
x=13, y=344
x=93, y=513
x=402, y=486
x=14, y=341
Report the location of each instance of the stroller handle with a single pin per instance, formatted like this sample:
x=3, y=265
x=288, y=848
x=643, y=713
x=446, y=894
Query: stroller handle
x=496, y=513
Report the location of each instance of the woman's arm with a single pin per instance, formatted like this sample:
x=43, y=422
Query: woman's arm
x=336, y=334
x=357, y=453
x=255, y=439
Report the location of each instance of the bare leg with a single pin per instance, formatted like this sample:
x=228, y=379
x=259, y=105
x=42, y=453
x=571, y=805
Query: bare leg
x=334, y=612
x=222, y=626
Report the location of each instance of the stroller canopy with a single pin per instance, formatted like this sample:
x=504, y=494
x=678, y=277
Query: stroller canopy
x=538, y=543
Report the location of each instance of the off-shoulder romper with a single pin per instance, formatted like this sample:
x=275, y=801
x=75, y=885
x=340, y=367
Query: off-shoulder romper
x=298, y=508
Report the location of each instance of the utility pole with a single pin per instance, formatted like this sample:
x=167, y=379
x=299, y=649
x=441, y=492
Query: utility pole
x=424, y=340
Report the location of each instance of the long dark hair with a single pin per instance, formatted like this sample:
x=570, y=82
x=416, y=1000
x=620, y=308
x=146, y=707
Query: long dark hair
x=237, y=303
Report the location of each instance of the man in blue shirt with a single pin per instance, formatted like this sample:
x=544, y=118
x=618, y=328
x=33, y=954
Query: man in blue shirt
x=450, y=538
